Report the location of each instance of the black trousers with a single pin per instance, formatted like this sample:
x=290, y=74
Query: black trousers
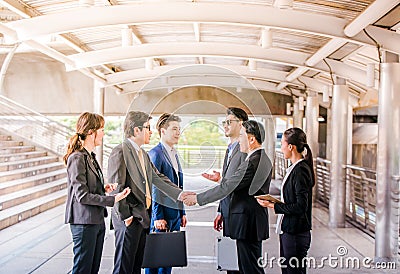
x=88, y=247
x=294, y=247
x=248, y=255
x=129, y=246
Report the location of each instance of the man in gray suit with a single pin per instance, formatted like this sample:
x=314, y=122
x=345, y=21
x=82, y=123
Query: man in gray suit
x=130, y=166
x=233, y=158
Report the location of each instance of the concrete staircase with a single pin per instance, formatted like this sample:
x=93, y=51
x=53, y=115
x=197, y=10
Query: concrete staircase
x=31, y=181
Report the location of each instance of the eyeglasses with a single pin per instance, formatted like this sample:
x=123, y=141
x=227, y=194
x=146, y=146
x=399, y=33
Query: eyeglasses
x=229, y=122
x=148, y=127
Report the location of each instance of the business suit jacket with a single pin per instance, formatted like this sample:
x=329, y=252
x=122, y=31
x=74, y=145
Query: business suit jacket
x=86, y=200
x=124, y=168
x=228, y=169
x=297, y=194
x=162, y=206
x=248, y=220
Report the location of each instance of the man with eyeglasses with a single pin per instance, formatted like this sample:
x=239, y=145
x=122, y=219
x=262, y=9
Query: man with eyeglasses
x=130, y=166
x=233, y=159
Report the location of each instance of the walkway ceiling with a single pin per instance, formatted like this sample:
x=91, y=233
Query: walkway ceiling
x=278, y=48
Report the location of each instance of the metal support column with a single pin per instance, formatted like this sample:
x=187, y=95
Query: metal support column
x=270, y=138
x=297, y=114
x=388, y=167
x=337, y=200
x=98, y=103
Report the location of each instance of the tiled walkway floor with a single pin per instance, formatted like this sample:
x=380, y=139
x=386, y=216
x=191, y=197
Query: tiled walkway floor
x=42, y=244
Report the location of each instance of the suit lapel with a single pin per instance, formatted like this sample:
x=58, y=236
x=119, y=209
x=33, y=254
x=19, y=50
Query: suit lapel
x=90, y=164
x=235, y=150
x=130, y=154
x=169, y=160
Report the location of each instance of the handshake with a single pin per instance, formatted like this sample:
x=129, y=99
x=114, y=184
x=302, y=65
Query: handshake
x=188, y=198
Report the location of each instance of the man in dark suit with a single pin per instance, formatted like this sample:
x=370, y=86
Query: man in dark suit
x=129, y=165
x=165, y=215
x=233, y=158
x=248, y=221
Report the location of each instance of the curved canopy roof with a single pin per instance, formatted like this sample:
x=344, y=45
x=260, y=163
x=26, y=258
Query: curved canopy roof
x=281, y=46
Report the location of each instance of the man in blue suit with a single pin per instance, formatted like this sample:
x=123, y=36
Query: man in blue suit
x=165, y=214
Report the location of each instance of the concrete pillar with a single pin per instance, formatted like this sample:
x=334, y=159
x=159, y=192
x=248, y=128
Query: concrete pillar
x=270, y=138
x=312, y=113
x=329, y=134
x=297, y=114
x=337, y=200
x=98, y=103
x=388, y=167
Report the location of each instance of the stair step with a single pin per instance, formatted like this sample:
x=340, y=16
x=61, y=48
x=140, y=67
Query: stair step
x=27, y=163
x=11, y=143
x=5, y=138
x=22, y=196
x=21, y=156
x=29, y=171
x=31, y=181
x=17, y=149
x=23, y=211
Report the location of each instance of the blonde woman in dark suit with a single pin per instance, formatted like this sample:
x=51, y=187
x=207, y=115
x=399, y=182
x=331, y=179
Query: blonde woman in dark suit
x=87, y=199
x=294, y=219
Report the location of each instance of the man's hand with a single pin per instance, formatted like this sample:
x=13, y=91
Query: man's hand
x=190, y=199
x=216, y=176
x=184, y=194
x=160, y=224
x=128, y=221
x=218, y=222
x=183, y=221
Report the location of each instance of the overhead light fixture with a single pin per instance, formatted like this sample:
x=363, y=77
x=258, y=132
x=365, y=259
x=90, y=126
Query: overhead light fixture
x=326, y=50
x=266, y=38
x=325, y=94
x=301, y=103
x=239, y=89
x=288, y=108
x=149, y=63
x=126, y=37
x=252, y=65
x=281, y=85
x=321, y=119
x=86, y=3
x=296, y=73
x=283, y=4
x=370, y=75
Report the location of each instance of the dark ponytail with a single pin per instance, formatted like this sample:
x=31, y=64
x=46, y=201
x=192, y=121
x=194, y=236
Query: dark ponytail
x=295, y=136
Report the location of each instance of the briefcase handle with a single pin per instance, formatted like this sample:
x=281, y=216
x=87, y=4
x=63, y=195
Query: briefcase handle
x=164, y=230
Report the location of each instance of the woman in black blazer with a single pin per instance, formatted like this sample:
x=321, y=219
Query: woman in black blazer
x=86, y=200
x=294, y=221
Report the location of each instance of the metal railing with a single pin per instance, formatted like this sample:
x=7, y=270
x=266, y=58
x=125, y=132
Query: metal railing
x=281, y=164
x=33, y=126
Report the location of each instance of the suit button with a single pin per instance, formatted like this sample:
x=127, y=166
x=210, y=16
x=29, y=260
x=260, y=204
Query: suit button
x=144, y=182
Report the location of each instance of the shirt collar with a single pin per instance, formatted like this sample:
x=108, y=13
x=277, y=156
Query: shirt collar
x=251, y=152
x=135, y=146
x=167, y=147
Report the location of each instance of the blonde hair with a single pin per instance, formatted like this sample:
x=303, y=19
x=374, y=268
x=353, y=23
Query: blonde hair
x=87, y=123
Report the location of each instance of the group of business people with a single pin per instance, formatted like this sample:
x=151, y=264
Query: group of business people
x=146, y=191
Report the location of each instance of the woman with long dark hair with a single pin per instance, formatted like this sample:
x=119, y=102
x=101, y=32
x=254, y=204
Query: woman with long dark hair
x=294, y=219
x=87, y=199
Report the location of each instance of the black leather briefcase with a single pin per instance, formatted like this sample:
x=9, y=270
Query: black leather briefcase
x=165, y=249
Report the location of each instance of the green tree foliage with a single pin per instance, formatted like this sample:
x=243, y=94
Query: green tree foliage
x=202, y=132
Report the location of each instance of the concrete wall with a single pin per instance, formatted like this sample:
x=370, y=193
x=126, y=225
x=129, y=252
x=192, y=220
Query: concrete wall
x=42, y=84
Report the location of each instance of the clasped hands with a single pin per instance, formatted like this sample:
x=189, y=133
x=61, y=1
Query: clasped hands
x=188, y=198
